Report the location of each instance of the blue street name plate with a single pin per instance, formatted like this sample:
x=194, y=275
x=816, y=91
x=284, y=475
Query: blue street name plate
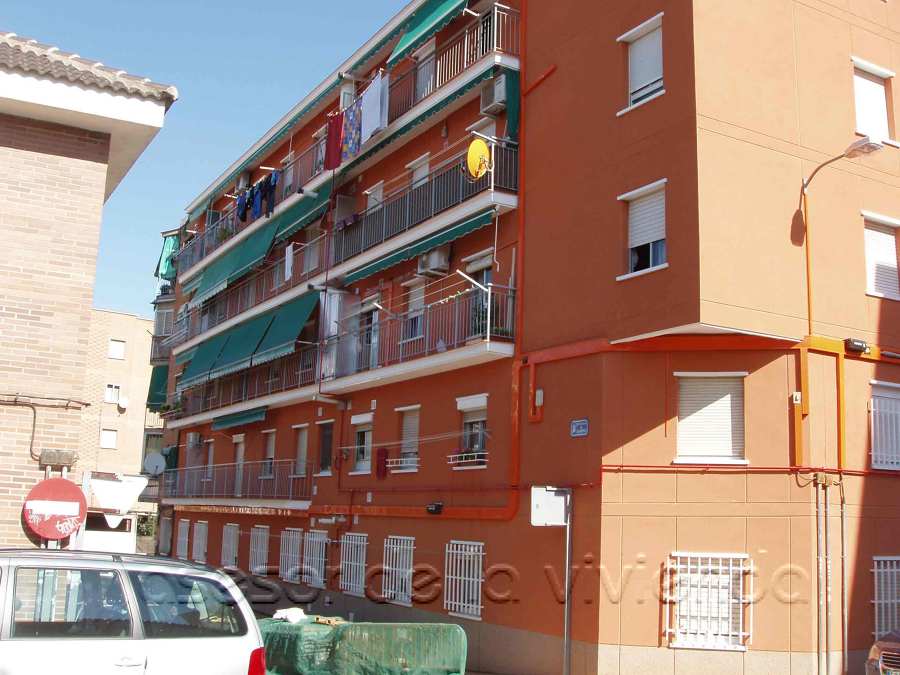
x=579, y=428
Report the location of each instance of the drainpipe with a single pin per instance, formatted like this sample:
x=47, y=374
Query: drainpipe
x=820, y=586
x=845, y=607
x=827, y=579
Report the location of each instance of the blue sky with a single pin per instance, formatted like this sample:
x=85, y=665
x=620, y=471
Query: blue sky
x=238, y=67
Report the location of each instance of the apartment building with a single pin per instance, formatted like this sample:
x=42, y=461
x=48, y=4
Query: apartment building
x=673, y=294
x=70, y=129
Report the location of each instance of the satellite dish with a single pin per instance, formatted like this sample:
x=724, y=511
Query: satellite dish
x=478, y=158
x=123, y=402
x=154, y=463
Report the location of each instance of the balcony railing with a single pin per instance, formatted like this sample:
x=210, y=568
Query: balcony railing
x=160, y=347
x=495, y=31
x=453, y=322
x=266, y=479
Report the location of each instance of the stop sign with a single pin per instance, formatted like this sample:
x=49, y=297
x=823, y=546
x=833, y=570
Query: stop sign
x=55, y=508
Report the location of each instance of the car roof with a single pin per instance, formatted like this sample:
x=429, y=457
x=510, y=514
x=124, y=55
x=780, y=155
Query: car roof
x=126, y=558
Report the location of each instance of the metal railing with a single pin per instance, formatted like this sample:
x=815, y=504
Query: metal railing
x=403, y=463
x=266, y=479
x=497, y=30
x=160, y=347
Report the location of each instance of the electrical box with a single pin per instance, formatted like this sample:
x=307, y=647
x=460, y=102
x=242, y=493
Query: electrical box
x=549, y=506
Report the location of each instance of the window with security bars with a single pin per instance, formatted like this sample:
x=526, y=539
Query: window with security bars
x=165, y=535
x=259, y=550
x=198, y=548
x=647, y=230
x=289, y=555
x=398, y=569
x=710, y=417
x=231, y=536
x=353, y=563
x=708, y=596
x=463, y=578
x=315, y=556
x=887, y=594
x=181, y=546
x=885, y=420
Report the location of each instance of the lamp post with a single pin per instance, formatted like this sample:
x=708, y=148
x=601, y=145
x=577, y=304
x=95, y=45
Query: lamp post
x=860, y=147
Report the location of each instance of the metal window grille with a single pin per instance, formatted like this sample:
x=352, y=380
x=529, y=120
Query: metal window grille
x=259, y=550
x=198, y=548
x=463, y=577
x=887, y=594
x=231, y=534
x=398, y=569
x=289, y=557
x=886, y=430
x=353, y=563
x=165, y=535
x=315, y=555
x=181, y=547
x=708, y=603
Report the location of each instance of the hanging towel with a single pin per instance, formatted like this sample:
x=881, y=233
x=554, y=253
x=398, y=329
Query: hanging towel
x=371, y=110
x=352, y=119
x=335, y=139
x=385, y=99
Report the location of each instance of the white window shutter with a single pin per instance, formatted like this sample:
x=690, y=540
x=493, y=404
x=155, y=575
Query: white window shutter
x=881, y=261
x=711, y=417
x=871, y=105
x=647, y=219
x=410, y=433
x=645, y=63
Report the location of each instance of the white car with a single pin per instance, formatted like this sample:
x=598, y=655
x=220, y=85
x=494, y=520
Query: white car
x=84, y=613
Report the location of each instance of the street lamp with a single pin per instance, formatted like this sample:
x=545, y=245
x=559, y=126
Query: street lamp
x=860, y=147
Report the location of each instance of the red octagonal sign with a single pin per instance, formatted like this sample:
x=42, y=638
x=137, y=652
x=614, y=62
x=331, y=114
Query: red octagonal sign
x=55, y=508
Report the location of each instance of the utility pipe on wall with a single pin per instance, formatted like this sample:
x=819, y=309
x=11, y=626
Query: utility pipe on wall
x=820, y=585
x=827, y=579
x=845, y=647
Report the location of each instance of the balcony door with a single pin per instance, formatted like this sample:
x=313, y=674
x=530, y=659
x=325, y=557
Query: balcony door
x=425, y=70
x=478, y=305
x=238, y=466
x=367, y=356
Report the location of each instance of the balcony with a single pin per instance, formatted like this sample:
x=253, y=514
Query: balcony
x=496, y=32
x=160, y=348
x=266, y=479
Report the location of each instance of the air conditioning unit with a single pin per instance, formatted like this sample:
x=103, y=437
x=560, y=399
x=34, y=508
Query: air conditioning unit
x=435, y=263
x=243, y=181
x=193, y=439
x=493, y=96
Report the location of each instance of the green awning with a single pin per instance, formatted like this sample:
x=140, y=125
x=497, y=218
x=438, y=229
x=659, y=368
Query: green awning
x=165, y=269
x=185, y=356
x=428, y=20
x=376, y=48
x=235, y=263
x=422, y=246
x=204, y=358
x=513, y=104
x=159, y=382
x=238, y=419
x=242, y=343
x=286, y=326
x=192, y=285
x=302, y=213
x=170, y=452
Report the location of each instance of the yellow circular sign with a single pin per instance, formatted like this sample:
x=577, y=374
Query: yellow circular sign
x=478, y=159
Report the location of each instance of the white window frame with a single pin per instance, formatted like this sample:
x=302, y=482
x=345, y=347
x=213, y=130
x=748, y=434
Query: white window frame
x=315, y=558
x=112, y=393
x=231, y=542
x=301, y=449
x=682, y=454
x=109, y=439
x=200, y=541
x=353, y=563
x=419, y=170
x=165, y=535
x=163, y=322
x=629, y=38
x=689, y=619
x=374, y=195
x=362, y=452
x=884, y=425
x=114, y=351
x=410, y=424
x=863, y=69
x=396, y=580
x=463, y=578
x=289, y=554
x=881, y=224
x=210, y=459
x=270, y=448
x=886, y=589
x=657, y=261
x=181, y=545
x=259, y=550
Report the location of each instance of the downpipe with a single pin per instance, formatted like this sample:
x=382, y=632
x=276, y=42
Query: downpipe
x=845, y=605
x=820, y=585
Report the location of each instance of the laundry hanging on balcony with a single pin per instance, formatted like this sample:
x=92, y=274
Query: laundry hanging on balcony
x=165, y=268
x=334, y=141
x=374, y=107
x=352, y=130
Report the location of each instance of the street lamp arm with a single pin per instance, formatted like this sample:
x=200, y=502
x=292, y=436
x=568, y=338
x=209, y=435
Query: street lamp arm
x=821, y=166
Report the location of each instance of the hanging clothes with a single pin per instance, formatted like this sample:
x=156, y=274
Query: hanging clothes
x=370, y=110
x=334, y=141
x=256, y=210
x=242, y=207
x=270, y=182
x=352, y=129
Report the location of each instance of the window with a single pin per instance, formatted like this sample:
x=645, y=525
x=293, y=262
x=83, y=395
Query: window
x=301, y=450
x=463, y=562
x=887, y=594
x=289, y=555
x=259, y=550
x=181, y=546
x=409, y=433
x=707, y=600
x=398, y=569
x=645, y=61
x=474, y=439
x=111, y=395
x=165, y=535
x=198, y=547
x=885, y=408
x=180, y=606
x=69, y=604
x=419, y=170
x=231, y=537
x=363, y=448
x=353, y=563
x=872, y=97
x=315, y=555
x=646, y=227
x=326, y=437
x=348, y=94
x=311, y=249
x=375, y=195
x=268, y=467
x=881, y=261
x=210, y=459
x=710, y=417
x=413, y=326
x=163, y=322
x=116, y=349
x=109, y=439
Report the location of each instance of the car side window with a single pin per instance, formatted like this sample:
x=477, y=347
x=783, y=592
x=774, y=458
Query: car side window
x=183, y=606
x=59, y=603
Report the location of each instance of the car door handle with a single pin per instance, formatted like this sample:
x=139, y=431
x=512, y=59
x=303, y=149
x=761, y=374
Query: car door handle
x=128, y=662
